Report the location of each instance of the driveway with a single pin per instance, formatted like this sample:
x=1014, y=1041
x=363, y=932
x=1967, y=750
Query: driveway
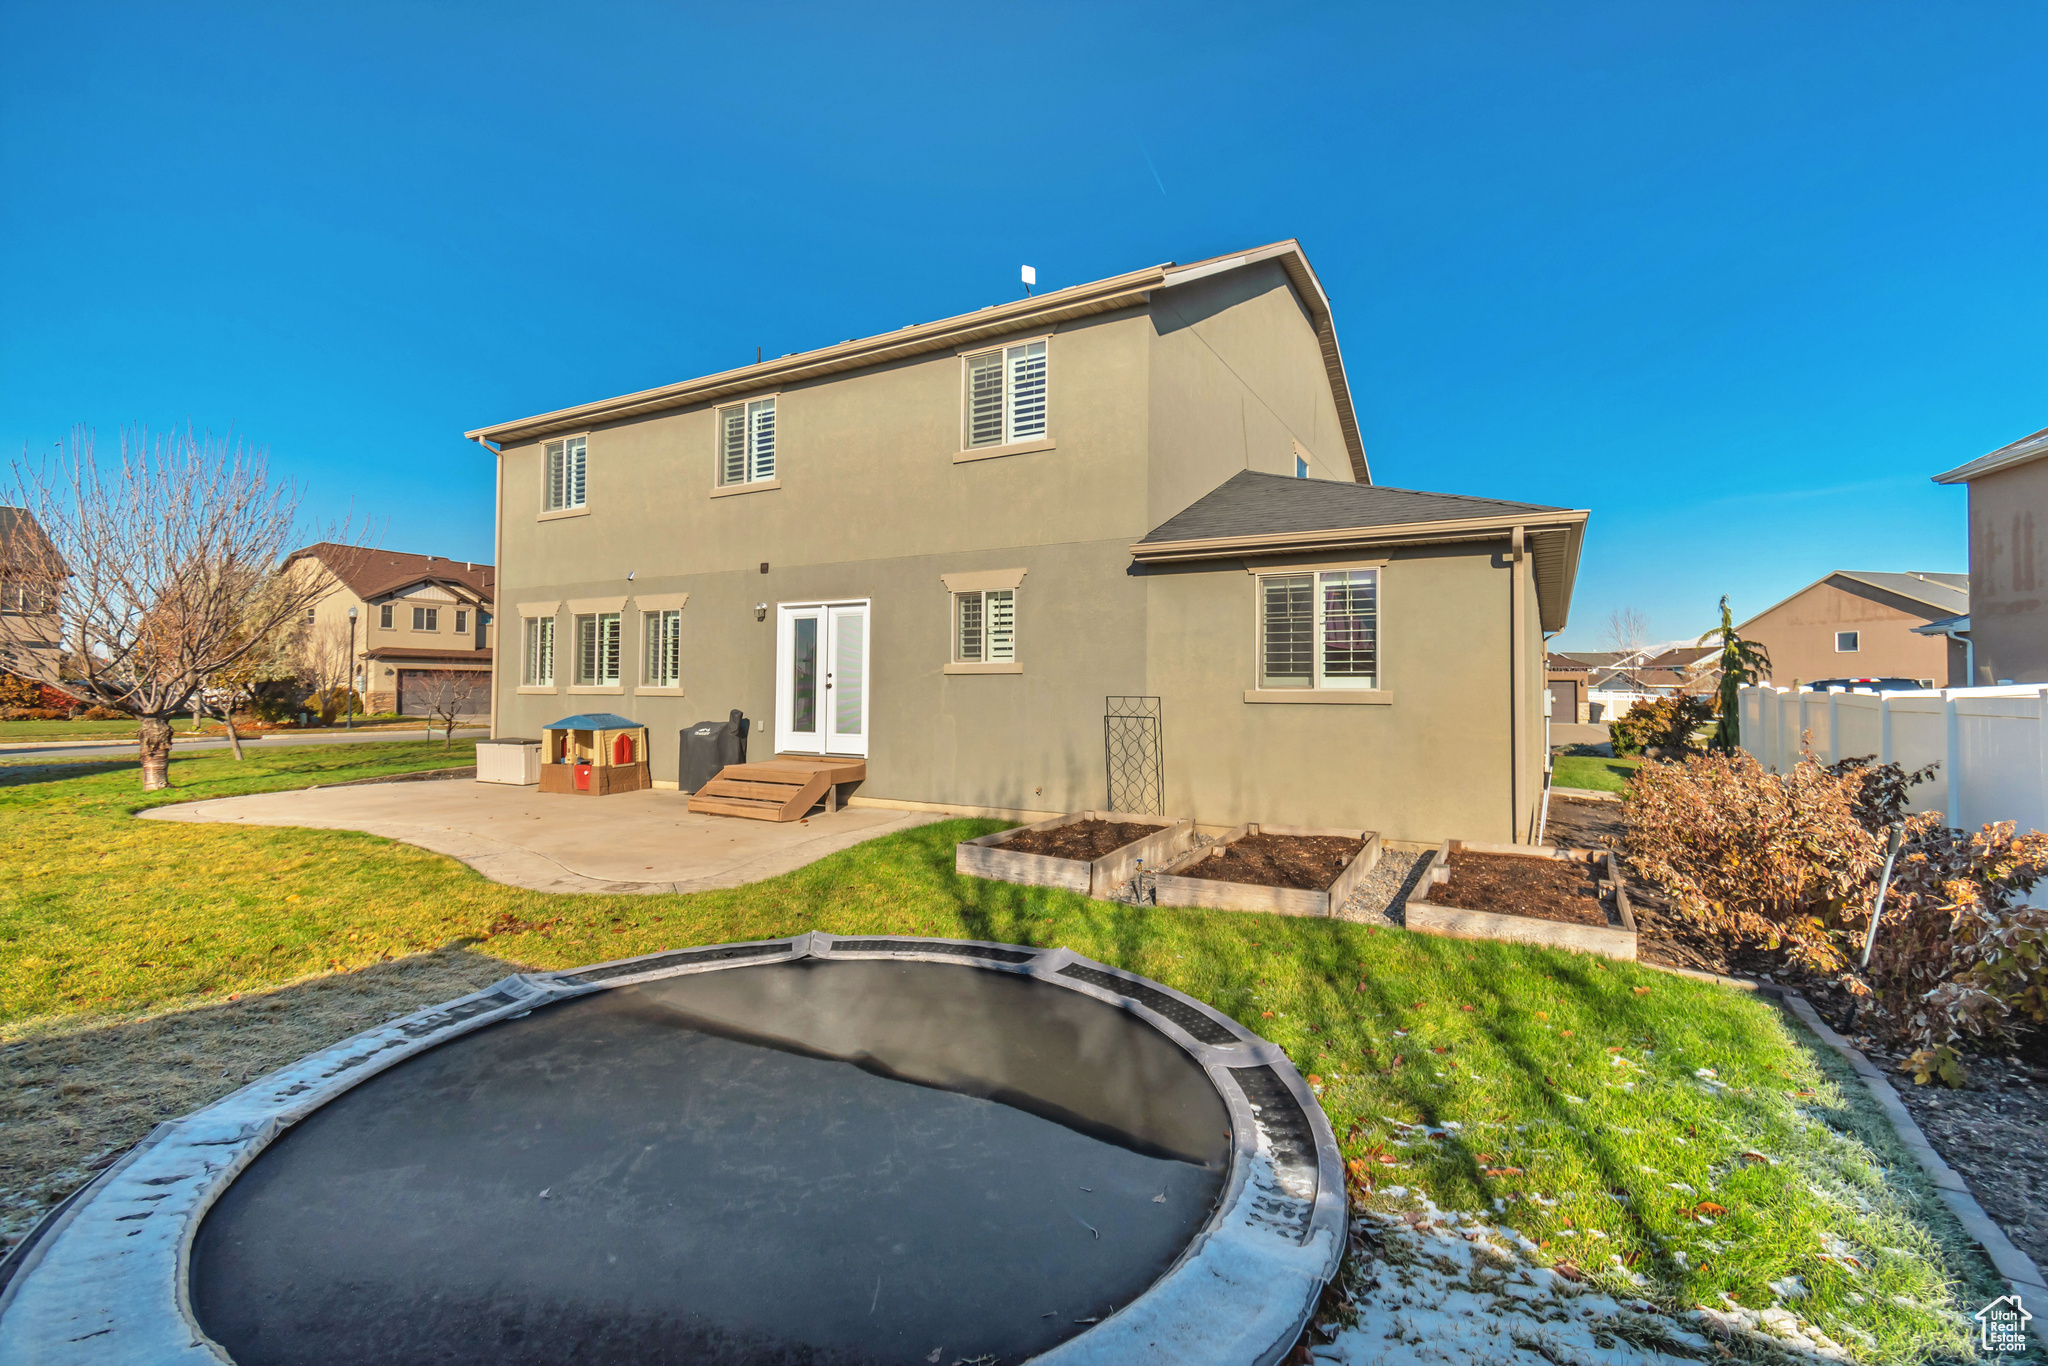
x=631, y=842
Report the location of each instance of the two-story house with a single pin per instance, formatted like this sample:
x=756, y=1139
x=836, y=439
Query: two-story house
x=392, y=621
x=2004, y=626
x=31, y=578
x=950, y=549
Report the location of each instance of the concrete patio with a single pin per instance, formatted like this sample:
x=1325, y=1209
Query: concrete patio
x=629, y=842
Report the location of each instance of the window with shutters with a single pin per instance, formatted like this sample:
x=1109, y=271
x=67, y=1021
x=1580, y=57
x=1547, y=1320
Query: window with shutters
x=426, y=618
x=1319, y=629
x=540, y=652
x=386, y=616
x=985, y=627
x=746, y=443
x=662, y=651
x=1006, y=391
x=566, y=485
x=597, y=650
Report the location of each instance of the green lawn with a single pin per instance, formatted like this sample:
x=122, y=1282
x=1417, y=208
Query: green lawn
x=63, y=730
x=1637, y=1124
x=1592, y=771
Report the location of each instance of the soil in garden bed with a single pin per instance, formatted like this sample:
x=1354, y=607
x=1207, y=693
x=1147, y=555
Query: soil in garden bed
x=1082, y=840
x=1543, y=889
x=1308, y=862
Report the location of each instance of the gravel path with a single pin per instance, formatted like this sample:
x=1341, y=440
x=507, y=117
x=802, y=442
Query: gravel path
x=1381, y=897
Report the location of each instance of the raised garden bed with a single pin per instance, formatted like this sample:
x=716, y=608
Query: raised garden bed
x=1090, y=852
x=1563, y=898
x=1281, y=869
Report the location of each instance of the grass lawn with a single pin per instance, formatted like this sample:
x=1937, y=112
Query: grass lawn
x=1674, y=1140
x=64, y=730
x=1592, y=771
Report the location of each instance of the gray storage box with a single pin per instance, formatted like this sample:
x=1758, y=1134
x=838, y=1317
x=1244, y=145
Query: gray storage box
x=513, y=762
x=708, y=747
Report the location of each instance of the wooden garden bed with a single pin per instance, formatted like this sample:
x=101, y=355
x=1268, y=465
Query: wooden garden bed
x=1502, y=901
x=990, y=856
x=1187, y=882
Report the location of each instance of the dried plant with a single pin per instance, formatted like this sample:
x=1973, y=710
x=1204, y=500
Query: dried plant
x=164, y=567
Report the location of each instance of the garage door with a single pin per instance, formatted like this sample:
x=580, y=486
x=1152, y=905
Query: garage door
x=420, y=690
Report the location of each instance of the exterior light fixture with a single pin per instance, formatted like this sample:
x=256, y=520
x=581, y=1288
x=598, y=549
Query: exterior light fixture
x=760, y=611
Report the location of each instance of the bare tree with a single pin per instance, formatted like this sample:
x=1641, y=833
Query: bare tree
x=321, y=661
x=1627, y=630
x=168, y=559
x=449, y=694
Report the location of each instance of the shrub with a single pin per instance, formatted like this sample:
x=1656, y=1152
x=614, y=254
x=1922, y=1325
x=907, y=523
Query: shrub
x=1666, y=723
x=334, y=702
x=102, y=714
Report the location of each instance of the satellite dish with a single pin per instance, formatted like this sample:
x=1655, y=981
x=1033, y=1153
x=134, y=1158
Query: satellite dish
x=1030, y=278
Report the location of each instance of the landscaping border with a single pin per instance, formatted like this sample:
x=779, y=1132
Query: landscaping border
x=1170, y=888
x=1458, y=922
x=986, y=857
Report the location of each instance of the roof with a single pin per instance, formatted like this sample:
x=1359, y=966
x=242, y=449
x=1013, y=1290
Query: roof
x=20, y=531
x=1681, y=657
x=409, y=653
x=1252, y=513
x=996, y=320
x=1947, y=594
x=1588, y=659
x=367, y=572
x=1941, y=626
x=593, y=720
x=2004, y=458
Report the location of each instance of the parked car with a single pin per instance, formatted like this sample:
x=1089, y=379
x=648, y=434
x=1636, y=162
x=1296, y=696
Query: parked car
x=1869, y=684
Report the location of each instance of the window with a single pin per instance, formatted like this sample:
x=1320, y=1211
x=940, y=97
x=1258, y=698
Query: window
x=746, y=442
x=1300, y=468
x=985, y=627
x=1845, y=642
x=663, y=656
x=597, y=650
x=385, y=616
x=311, y=612
x=540, y=652
x=565, y=461
x=1006, y=395
x=426, y=618
x=1319, y=630
x=461, y=622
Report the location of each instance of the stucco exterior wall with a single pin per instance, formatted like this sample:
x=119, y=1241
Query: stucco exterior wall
x=2009, y=574
x=1800, y=635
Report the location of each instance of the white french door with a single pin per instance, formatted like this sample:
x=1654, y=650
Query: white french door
x=821, y=678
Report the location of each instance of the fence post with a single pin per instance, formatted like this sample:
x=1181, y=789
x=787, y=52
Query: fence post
x=1951, y=743
x=1834, y=725
x=2041, y=735
x=1884, y=728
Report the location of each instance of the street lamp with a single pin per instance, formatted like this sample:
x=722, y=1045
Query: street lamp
x=350, y=723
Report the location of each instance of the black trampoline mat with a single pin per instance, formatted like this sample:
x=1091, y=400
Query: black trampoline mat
x=811, y=1161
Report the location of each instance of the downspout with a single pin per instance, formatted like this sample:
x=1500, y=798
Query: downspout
x=1517, y=768
x=1969, y=657
x=497, y=575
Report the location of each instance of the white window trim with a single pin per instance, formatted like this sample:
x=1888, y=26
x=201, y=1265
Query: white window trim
x=719, y=488
x=385, y=609
x=548, y=514
x=1321, y=696
x=1025, y=447
x=1855, y=649
x=649, y=608
x=598, y=613
x=540, y=611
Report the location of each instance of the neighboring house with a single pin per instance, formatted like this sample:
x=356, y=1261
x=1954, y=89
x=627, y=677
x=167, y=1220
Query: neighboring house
x=31, y=635
x=416, y=616
x=1864, y=624
x=2004, y=625
x=947, y=548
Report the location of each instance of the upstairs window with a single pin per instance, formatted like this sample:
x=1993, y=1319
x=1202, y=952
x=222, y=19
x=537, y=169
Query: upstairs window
x=565, y=462
x=461, y=622
x=540, y=652
x=597, y=650
x=746, y=442
x=311, y=612
x=426, y=618
x=664, y=649
x=985, y=627
x=386, y=616
x=1319, y=630
x=1006, y=395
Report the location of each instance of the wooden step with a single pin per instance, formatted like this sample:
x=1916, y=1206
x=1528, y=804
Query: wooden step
x=762, y=792
x=778, y=793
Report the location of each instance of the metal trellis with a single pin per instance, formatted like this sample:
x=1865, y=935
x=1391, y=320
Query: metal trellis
x=1134, y=755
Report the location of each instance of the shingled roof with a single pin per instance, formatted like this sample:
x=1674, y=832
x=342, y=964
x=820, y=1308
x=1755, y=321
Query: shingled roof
x=367, y=572
x=1252, y=513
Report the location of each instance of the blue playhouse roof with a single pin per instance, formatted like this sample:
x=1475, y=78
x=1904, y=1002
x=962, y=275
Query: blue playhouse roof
x=593, y=720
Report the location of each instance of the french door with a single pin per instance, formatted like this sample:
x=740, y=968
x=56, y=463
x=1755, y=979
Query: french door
x=821, y=678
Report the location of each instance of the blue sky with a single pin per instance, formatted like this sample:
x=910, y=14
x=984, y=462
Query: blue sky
x=1737, y=277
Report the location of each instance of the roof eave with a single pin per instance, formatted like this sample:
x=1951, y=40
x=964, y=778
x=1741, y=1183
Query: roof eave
x=2004, y=458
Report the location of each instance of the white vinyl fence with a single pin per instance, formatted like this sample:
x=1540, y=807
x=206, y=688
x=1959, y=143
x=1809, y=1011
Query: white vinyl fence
x=1614, y=702
x=1991, y=743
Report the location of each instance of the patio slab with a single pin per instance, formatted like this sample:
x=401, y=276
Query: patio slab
x=629, y=842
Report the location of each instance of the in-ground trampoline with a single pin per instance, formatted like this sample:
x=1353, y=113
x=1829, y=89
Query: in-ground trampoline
x=809, y=1150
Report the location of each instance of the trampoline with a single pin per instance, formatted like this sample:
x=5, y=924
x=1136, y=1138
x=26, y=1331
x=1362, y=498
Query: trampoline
x=808, y=1150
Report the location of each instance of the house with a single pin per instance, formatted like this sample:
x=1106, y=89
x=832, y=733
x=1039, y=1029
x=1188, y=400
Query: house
x=980, y=553
x=2004, y=625
x=391, y=622
x=31, y=634
x=1864, y=624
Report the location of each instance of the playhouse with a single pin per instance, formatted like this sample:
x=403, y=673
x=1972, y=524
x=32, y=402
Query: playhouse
x=594, y=754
